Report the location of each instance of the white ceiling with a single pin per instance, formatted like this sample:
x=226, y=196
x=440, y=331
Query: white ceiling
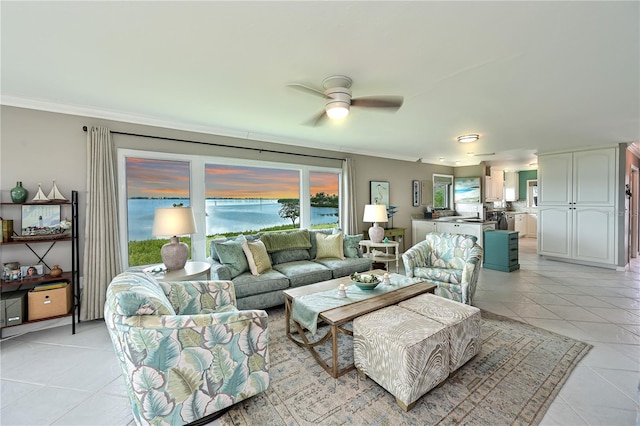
x=527, y=76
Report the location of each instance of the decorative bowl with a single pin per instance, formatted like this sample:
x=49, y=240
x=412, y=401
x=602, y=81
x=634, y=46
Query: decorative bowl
x=365, y=281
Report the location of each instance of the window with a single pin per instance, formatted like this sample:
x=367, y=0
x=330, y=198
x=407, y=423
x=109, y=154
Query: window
x=250, y=199
x=228, y=197
x=325, y=205
x=152, y=183
x=442, y=191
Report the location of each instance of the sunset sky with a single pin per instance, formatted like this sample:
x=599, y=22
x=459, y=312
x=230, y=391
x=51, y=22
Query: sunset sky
x=160, y=178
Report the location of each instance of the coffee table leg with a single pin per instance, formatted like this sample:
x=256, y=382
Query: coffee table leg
x=287, y=315
x=334, y=351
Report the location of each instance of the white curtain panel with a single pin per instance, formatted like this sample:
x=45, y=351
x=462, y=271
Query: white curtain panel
x=101, y=247
x=348, y=215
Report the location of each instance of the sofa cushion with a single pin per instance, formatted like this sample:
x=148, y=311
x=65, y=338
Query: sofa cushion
x=247, y=284
x=135, y=293
x=329, y=246
x=292, y=255
x=212, y=245
x=286, y=240
x=303, y=272
x=351, y=246
x=257, y=257
x=343, y=267
x=314, y=245
x=232, y=255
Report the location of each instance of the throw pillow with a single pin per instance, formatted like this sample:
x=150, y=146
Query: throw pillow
x=232, y=255
x=286, y=240
x=260, y=257
x=329, y=246
x=351, y=245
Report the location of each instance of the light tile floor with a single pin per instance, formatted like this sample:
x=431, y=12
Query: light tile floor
x=51, y=377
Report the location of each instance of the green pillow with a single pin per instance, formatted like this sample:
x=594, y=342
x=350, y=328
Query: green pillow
x=329, y=246
x=232, y=255
x=350, y=245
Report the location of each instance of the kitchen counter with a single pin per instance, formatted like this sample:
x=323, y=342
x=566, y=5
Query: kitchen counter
x=451, y=224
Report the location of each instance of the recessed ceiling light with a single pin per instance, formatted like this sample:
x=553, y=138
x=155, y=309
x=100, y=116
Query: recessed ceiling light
x=468, y=138
x=441, y=158
x=487, y=154
x=533, y=164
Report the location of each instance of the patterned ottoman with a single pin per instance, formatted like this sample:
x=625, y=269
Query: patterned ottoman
x=404, y=352
x=462, y=322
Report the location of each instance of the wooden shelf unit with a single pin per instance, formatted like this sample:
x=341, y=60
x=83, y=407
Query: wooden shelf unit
x=73, y=276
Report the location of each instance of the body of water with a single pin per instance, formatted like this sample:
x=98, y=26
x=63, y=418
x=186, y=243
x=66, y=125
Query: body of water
x=223, y=215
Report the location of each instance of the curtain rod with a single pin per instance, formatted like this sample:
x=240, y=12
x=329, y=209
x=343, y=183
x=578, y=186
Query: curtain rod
x=223, y=145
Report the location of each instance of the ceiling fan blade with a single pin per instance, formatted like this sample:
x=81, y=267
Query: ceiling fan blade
x=317, y=119
x=307, y=89
x=393, y=102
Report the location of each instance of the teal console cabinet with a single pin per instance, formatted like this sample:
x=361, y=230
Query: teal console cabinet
x=501, y=250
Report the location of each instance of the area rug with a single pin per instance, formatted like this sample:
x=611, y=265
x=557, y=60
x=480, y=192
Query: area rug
x=513, y=380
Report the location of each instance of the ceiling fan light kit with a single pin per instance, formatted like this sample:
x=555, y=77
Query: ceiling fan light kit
x=339, y=102
x=468, y=138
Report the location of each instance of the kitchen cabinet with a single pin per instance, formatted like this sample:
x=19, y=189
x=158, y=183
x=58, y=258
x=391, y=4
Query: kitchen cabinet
x=475, y=229
x=577, y=205
x=420, y=228
x=520, y=224
x=494, y=185
x=532, y=224
x=511, y=186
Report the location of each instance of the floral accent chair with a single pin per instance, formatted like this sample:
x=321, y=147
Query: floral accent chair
x=185, y=350
x=451, y=261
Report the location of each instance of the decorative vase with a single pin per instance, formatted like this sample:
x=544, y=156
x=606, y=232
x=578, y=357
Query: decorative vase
x=19, y=193
x=55, y=271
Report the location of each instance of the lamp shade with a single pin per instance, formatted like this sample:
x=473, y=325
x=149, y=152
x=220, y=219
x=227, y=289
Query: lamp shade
x=173, y=221
x=375, y=213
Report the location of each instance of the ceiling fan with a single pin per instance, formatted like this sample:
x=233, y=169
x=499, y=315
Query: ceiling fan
x=337, y=92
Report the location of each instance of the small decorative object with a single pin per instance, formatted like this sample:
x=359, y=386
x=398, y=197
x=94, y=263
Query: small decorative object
x=391, y=211
x=365, y=281
x=7, y=230
x=375, y=213
x=41, y=220
x=19, y=193
x=31, y=271
x=171, y=222
x=55, y=194
x=40, y=197
x=55, y=272
x=386, y=278
x=386, y=240
x=342, y=291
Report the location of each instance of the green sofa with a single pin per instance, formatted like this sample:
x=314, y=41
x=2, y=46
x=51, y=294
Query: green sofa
x=295, y=258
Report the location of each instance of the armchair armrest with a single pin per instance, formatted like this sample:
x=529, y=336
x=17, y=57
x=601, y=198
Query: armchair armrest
x=416, y=256
x=200, y=297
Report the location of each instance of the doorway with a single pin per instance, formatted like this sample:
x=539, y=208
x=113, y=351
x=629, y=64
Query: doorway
x=632, y=195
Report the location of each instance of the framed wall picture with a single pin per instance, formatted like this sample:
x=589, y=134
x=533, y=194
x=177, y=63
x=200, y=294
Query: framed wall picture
x=31, y=271
x=415, y=194
x=379, y=192
x=466, y=190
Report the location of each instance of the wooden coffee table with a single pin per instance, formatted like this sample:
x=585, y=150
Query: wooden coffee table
x=337, y=317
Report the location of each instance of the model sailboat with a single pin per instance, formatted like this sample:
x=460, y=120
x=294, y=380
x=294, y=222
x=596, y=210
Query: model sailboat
x=55, y=194
x=40, y=197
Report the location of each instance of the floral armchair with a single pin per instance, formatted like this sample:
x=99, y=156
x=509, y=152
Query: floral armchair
x=185, y=350
x=451, y=261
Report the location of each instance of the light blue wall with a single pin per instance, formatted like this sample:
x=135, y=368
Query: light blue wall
x=523, y=177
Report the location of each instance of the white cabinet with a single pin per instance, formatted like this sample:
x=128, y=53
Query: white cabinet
x=494, y=185
x=475, y=229
x=577, y=205
x=511, y=182
x=532, y=225
x=520, y=224
x=420, y=228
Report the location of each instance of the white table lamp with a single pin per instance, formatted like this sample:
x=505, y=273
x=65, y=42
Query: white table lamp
x=171, y=222
x=375, y=213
